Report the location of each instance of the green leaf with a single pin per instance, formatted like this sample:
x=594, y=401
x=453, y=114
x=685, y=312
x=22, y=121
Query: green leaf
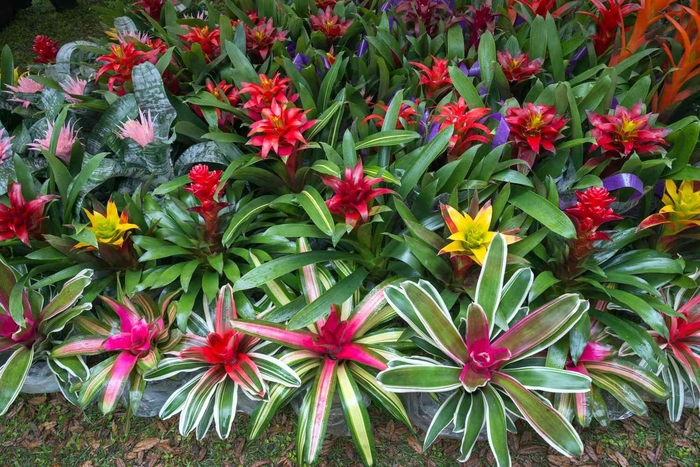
x=422, y=160
x=243, y=216
x=7, y=68
x=356, y=415
x=543, y=211
x=13, y=374
x=387, y=138
x=490, y=283
x=241, y=64
x=465, y=88
x=550, y=379
x=320, y=307
x=487, y=58
x=496, y=425
x=77, y=184
x=316, y=208
x=442, y=418
x=286, y=264
x=556, y=60
x=420, y=378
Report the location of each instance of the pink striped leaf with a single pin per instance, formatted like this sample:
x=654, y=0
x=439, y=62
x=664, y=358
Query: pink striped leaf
x=81, y=345
x=372, y=304
x=314, y=413
x=361, y=354
x=301, y=339
x=121, y=369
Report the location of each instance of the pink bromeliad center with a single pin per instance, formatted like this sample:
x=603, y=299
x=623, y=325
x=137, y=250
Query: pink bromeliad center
x=482, y=360
x=331, y=335
x=221, y=349
x=137, y=339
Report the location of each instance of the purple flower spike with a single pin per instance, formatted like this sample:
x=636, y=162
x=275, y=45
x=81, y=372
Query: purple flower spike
x=301, y=61
x=362, y=48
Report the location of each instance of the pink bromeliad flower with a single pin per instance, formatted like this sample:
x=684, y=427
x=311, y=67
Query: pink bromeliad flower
x=5, y=145
x=25, y=85
x=66, y=140
x=74, y=87
x=141, y=130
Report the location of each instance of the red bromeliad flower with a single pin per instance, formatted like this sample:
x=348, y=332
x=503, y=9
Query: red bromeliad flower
x=434, y=78
x=610, y=22
x=542, y=7
x=22, y=219
x=152, y=7
x=205, y=187
x=329, y=24
x=208, y=39
x=261, y=96
x=427, y=13
x=45, y=49
x=590, y=212
x=259, y=39
x=467, y=129
x=519, y=68
x=533, y=128
x=323, y=4
x=353, y=196
x=121, y=61
x=280, y=128
x=223, y=92
x=625, y=131
x=407, y=112
x=479, y=21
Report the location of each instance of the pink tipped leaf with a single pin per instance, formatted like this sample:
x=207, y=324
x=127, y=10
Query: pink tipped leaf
x=477, y=325
x=246, y=373
x=361, y=354
x=301, y=339
x=225, y=310
x=82, y=345
x=121, y=369
x=371, y=304
x=127, y=316
x=316, y=409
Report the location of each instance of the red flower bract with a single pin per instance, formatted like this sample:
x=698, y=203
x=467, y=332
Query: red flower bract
x=208, y=40
x=121, y=61
x=280, y=129
x=625, y=131
x=205, y=187
x=260, y=38
x=152, y=7
x=610, y=22
x=353, y=196
x=533, y=128
x=427, y=13
x=262, y=95
x=405, y=118
x=223, y=92
x=479, y=21
x=467, y=129
x=590, y=212
x=329, y=24
x=22, y=219
x=519, y=68
x=45, y=49
x=434, y=78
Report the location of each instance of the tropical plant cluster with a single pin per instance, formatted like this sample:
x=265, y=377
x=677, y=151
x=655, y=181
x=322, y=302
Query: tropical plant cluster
x=330, y=203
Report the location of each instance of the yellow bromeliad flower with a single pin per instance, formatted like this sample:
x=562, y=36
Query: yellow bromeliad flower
x=470, y=235
x=681, y=210
x=109, y=229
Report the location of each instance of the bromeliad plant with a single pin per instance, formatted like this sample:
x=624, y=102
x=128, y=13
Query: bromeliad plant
x=485, y=367
x=28, y=328
x=336, y=350
x=226, y=361
x=139, y=331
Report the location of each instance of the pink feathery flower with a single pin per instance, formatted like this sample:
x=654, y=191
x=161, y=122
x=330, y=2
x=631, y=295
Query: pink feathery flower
x=66, y=140
x=25, y=85
x=74, y=87
x=133, y=36
x=141, y=131
x=5, y=145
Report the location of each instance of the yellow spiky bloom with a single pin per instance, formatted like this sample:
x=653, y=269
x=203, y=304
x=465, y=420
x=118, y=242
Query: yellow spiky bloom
x=109, y=229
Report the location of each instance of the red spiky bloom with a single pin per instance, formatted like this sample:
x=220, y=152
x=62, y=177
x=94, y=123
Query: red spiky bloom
x=479, y=21
x=590, y=212
x=434, y=78
x=262, y=95
x=534, y=128
x=280, y=129
x=323, y=4
x=22, y=219
x=152, y=7
x=208, y=39
x=609, y=22
x=542, y=7
x=120, y=62
x=407, y=112
x=427, y=13
x=260, y=39
x=353, y=196
x=45, y=49
x=467, y=129
x=205, y=187
x=223, y=92
x=626, y=131
x=520, y=67
x=329, y=24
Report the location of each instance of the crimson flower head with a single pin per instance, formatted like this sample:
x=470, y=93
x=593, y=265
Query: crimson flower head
x=479, y=21
x=329, y=24
x=534, y=128
x=590, y=212
x=45, y=49
x=152, y=7
x=353, y=196
x=205, y=187
x=323, y=4
x=625, y=131
x=259, y=39
x=262, y=95
x=407, y=113
x=22, y=219
x=427, y=13
x=280, y=129
x=120, y=62
x=434, y=78
x=208, y=39
x=519, y=68
x=609, y=22
x=467, y=129
x=223, y=92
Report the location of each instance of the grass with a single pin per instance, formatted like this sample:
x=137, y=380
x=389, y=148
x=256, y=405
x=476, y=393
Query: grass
x=76, y=24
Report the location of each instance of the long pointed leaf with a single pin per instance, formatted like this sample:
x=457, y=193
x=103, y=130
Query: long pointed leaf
x=356, y=415
x=13, y=374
